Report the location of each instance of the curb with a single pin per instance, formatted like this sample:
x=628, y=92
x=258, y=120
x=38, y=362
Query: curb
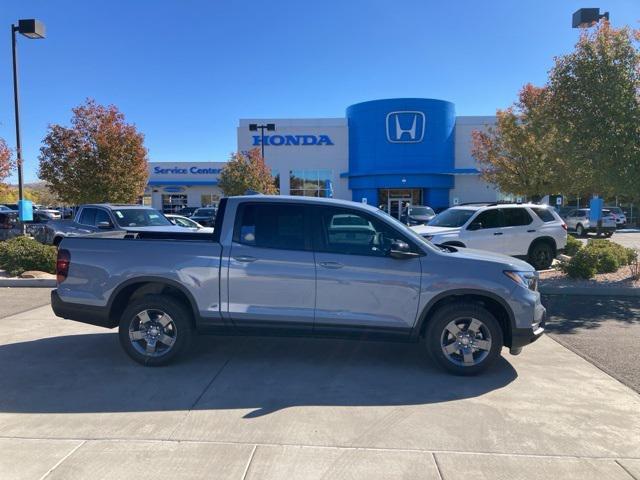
x=591, y=291
x=28, y=282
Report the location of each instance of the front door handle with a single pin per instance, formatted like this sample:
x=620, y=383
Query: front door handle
x=331, y=265
x=498, y=233
x=530, y=231
x=245, y=259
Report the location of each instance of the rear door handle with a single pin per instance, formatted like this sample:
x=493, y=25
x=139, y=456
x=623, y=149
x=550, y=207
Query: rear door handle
x=497, y=233
x=245, y=259
x=332, y=265
x=530, y=231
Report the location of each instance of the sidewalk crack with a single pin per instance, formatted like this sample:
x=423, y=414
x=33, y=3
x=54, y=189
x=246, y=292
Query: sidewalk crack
x=626, y=470
x=48, y=472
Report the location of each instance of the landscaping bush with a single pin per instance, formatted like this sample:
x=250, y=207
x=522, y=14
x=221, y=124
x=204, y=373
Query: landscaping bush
x=598, y=256
x=573, y=245
x=21, y=254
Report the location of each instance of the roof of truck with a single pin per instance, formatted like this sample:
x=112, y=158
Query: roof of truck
x=120, y=206
x=301, y=199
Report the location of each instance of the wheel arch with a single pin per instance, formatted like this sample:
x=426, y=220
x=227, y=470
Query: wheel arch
x=138, y=287
x=545, y=239
x=492, y=302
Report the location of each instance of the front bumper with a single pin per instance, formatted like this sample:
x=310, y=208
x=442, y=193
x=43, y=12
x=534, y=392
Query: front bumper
x=521, y=337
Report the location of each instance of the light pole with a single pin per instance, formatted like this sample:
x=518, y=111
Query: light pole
x=269, y=127
x=585, y=17
x=34, y=29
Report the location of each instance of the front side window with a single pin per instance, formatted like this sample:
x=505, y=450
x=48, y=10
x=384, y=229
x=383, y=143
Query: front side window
x=516, y=217
x=272, y=225
x=102, y=216
x=490, y=219
x=353, y=233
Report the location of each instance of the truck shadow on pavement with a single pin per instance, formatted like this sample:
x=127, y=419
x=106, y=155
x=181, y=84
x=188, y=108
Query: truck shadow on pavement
x=568, y=313
x=90, y=373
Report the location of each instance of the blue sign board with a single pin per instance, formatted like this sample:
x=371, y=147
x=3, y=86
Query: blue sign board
x=25, y=210
x=595, y=209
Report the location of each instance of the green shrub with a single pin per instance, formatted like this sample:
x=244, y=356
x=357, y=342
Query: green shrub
x=608, y=262
x=623, y=255
x=21, y=254
x=582, y=265
x=573, y=245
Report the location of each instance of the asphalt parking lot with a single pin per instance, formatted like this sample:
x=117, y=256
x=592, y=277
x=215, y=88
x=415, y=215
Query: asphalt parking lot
x=629, y=237
x=73, y=406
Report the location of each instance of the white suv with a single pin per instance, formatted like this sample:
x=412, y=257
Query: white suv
x=533, y=232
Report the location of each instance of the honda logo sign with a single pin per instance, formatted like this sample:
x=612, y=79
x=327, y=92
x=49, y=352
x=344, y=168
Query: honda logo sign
x=405, y=127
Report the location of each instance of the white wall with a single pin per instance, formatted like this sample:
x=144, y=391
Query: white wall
x=285, y=158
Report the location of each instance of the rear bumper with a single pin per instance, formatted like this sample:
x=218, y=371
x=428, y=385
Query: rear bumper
x=98, y=316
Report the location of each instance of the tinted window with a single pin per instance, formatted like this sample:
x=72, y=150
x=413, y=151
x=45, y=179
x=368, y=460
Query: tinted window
x=269, y=225
x=205, y=212
x=140, y=217
x=102, y=216
x=88, y=216
x=490, y=219
x=516, y=217
x=353, y=233
x=544, y=214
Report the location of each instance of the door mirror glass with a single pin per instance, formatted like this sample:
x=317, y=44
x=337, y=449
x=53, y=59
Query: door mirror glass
x=400, y=249
x=104, y=225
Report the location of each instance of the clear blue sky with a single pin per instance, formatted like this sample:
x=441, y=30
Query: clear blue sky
x=185, y=71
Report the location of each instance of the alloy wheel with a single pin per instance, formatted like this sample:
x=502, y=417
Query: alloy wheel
x=153, y=333
x=466, y=341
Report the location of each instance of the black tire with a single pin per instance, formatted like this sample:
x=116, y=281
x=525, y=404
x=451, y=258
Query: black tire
x=438, y=331
x=56, y=241
x=541, y=255
x=180, y=330
x=580, y=231
x=608, y=234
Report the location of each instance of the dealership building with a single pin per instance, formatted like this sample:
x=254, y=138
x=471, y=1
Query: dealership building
x=383, y=152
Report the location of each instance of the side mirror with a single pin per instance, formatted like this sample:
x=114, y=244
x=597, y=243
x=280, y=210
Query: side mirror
x=475, y=226
x=104, y=225
x=400, y=250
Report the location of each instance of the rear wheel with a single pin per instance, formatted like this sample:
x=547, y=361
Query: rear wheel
x=464, y=338
x=155, y=329
x=541, y=255
x=580, y=231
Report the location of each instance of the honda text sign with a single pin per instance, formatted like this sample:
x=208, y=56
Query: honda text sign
x=405, y=126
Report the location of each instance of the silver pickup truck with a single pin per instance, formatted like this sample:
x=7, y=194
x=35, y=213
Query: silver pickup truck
x=108, y=220
x=300, y=266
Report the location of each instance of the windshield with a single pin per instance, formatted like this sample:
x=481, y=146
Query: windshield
x=205, y=212
x=617, y=210
x=421, y=211
x=454, y=217
x=140, y=217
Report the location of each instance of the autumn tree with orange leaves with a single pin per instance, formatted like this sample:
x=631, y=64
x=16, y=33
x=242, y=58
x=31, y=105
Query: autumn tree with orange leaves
x=246, y=172
x=6, y=164
x=580, y=133
x=100, y=158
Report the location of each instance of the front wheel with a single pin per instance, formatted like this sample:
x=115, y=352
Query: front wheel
x=155, y=329
x=464, y=338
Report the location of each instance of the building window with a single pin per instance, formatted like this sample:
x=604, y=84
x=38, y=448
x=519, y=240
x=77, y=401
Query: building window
x=311, y=183
x=209, y=199
x=172, y=203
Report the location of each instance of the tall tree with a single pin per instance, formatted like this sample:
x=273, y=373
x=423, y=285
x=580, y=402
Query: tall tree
x=246, y=172
x=6, y=163
x=516, y=154
x=596, y=110
x=100, y=158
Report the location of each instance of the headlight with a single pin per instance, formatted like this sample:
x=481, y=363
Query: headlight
x=524, y=279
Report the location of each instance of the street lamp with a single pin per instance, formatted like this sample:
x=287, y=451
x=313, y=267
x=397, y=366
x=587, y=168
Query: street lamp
x=254, y=127
x=33, y=29
x=585, y=17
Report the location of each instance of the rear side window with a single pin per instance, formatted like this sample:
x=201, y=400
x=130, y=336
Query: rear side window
x=544, y=214
x=88, y=216
x=516, y=217
x=271, y=225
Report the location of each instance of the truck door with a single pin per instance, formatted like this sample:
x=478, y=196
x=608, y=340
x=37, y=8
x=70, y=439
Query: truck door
x=272, y=273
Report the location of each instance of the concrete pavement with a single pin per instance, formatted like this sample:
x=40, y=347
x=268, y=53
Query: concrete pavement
x=73, y=406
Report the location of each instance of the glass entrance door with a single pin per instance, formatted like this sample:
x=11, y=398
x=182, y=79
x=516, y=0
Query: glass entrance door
x=396, y=206
x=396, y=200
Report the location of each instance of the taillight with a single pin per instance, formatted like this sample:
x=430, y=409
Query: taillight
x=564, y=225
x=62, y=265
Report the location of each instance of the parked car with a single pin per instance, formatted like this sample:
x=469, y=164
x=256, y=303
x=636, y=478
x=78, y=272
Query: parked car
x=8, y=224
x=49, y=213
x=532, y=232
x=417, y=215
x=273, y=266
x=108, y=220
x=578, y=221
x=205, y=216
x=186, y=211
x=619, y=216
x=185, y=222
x=4, y=208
